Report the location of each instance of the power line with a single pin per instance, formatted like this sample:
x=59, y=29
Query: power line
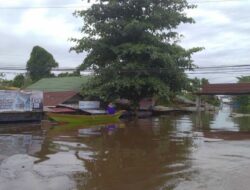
x=216, y=1
x=222, y=72
x=223, y=66
x=82, y=6
x=41, y=7
x=222, y=69
x=199, y=69
x=24, y=69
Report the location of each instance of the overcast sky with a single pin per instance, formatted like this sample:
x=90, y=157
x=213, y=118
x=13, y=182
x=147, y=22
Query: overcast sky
x=222, y=28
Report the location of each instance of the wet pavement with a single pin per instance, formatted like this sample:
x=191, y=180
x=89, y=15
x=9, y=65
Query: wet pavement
x=180, y=151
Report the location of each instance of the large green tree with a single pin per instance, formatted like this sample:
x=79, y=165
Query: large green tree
x=133, y=49
x=40, y=63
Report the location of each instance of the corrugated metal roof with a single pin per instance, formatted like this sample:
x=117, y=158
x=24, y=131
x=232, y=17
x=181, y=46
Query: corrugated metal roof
x=56, y=98
x=225, y=89
x=59, y=84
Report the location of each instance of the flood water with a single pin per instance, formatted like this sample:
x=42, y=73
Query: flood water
x=178, y=151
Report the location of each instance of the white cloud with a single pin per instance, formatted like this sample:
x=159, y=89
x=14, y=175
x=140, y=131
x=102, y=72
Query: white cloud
x=39, y=23
x=21, y=29
x=209, y=16
x=10, y=3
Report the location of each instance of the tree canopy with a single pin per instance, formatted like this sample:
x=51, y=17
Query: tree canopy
x=40, y=63
x=243, y=79
x=196, y=84
x=243, y=101
x=67, y=74
x=133, y=48
x=19, y=81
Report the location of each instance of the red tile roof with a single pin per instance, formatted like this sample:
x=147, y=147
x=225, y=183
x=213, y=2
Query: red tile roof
x=55, y=98
x=225, y=89
x=62, y=110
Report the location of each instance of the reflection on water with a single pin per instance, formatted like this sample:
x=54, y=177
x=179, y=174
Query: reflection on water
x=184, y=151
x=11, y=144
x=223, y=121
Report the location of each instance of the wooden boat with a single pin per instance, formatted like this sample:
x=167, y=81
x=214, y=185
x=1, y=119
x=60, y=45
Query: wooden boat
x=85, y=119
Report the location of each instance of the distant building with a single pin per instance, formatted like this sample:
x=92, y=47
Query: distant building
x=59, y=84
x=61, y=90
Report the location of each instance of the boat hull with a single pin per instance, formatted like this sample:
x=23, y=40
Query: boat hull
x=85, y=119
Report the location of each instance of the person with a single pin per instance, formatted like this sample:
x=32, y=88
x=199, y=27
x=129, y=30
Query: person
x=111, y=109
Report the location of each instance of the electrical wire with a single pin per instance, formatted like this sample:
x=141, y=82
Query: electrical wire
x=216, y=1
x=82, y=6
x=222, y=68
x=41, y=7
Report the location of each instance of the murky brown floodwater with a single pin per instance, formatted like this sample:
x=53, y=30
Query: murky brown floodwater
x=180, y=152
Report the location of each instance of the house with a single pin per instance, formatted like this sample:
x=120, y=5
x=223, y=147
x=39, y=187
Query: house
x=60, y=84
x=61, y=90
x=52, y=99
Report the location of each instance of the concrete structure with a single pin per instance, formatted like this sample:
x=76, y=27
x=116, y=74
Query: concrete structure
x=222, y=89
x=225, y=89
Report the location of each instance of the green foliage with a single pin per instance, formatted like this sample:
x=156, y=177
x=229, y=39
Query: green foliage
x=212, y=100
x=1, y=76
x=243, y=122
x=27, y=81
x=4, y=84
x=243, y=79
x=40, y=64
x=133, y=48
x=194, y=85
x=19, y=81
x=244, y=100
x=244, y=104
x=74, y=74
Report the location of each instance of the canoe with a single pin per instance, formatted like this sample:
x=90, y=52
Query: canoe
x=85, y=119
